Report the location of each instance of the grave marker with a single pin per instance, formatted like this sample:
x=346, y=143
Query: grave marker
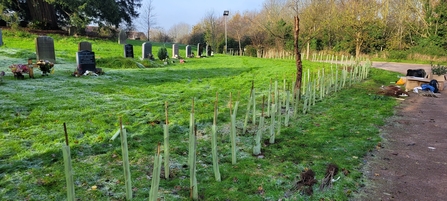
x=199, y=50
x=84, y=45
x=208, y=50
x=86, y=61
x=45, y=49
x=189, y=52
x=147, y=50
x=175, y=51
x=122, y=37
x=128, y=51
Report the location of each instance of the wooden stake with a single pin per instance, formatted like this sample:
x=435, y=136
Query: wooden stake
x=263, y=102
x=215, y=109
x=66, y=134
x=166, y=112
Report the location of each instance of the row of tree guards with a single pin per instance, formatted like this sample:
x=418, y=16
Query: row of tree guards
x=277, y=104
x=318, y=57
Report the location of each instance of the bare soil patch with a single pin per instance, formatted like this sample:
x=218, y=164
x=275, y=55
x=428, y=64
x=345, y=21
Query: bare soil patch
x=411, y=162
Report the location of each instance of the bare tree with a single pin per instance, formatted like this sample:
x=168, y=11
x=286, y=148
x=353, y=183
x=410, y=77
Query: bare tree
x=160, y=35
x=358, y=16
x=256, y=32
x=149, y=18
x=179, y=31
x=276, y=22
x=238, y=27
x=210, y=26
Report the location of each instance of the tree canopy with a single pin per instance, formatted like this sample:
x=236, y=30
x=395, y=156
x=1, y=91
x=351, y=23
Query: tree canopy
x=351, y=26
x=53, y=14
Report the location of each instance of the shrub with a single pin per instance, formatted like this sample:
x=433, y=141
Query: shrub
x=251, y=51
x=162, y=53
x=438, y=69
x=398, y=54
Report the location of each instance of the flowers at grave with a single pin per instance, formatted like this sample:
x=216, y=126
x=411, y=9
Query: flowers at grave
x=45, y=66
x=18, y=70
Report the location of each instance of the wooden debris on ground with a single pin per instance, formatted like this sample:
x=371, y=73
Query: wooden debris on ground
x=327, y=181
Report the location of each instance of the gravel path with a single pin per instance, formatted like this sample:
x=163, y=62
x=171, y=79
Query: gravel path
x=411, y=162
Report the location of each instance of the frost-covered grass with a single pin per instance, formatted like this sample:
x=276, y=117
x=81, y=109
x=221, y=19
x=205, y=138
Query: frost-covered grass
x=340, y=129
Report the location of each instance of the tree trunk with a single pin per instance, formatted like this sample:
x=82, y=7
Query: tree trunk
x=240, y=47
x=43, y=12
x=308, y=50
x=299, y=65
x=358, y=44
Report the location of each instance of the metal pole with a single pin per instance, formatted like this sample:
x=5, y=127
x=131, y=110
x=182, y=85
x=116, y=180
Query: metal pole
x=225, y=14
x=226, y=44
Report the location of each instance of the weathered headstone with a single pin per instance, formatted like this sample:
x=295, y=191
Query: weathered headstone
x=128, y=51
x=188, y=51
x=45, y=49
x=199, y=50
x=147, y=50
x=84, y=45
x=71, y=31
x=175, y=51
x=86, y=61
x=122, y=37
x=1, y=37
x=208, y=50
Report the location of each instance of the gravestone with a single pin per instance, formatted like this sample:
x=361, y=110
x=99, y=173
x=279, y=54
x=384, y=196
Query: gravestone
x=45, y=49
x=71, y=31
x=84, y=45
x=128, y=51
x=208, y=50
x=175, y=51
x=188, y=52
x=86, y=61
x=1, y=37
x=122, y=37
x=147, y=50
x=199, y=50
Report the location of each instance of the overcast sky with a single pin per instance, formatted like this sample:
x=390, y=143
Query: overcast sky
x=171, y=12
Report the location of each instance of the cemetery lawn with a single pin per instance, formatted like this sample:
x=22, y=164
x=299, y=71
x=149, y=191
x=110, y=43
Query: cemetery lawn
x=339, y=129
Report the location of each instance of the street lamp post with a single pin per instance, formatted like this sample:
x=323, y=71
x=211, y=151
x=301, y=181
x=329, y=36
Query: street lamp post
x=225, y=14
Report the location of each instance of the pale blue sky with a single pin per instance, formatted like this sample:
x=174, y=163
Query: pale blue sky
x=171, y=12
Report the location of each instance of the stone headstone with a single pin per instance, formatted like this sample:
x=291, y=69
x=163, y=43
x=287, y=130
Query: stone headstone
x=128, y=51
x=199, y=50
x=84, y=45
x=71, y=31
x=147, y=50
x=208, y=50
x=122, y=37
x=45, y=49
x=175, y=51
x=188, y=52
x=86, y=61
x=1, y=37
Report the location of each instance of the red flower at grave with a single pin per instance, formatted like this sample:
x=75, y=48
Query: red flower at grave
x=19, y=68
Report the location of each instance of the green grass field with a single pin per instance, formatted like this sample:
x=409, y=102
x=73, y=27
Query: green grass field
x=340, y=129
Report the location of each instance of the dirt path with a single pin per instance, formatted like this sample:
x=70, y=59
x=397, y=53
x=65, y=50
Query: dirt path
x=411, y=162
